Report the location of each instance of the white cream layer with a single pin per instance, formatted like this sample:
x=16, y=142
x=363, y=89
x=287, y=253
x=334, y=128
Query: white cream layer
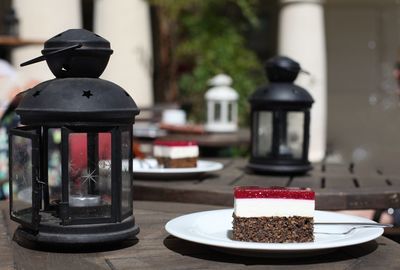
x=262, y=207
x=176, y=151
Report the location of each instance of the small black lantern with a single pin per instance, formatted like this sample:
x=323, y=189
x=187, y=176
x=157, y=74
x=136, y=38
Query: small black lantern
x=92, y=202
x=280, y=121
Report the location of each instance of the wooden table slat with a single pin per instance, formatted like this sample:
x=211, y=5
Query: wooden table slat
x=156, y=249
x=308, y=181
x=338, y=186
x=340, y=182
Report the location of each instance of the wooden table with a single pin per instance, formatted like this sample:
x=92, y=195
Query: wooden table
x=156, y=249
x=239, y=138
x=16, y=41
x=337, y=187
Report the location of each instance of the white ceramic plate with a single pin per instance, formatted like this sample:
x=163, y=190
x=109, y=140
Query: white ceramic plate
x=148, y=168
x=215, y=227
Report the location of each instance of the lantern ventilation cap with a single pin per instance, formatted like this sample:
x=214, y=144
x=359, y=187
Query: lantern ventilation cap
x=75, y=53
x=282, y=69
x=220, y=80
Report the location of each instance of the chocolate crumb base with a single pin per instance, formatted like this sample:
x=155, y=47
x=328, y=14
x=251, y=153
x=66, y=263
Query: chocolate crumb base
x=294, y=229
x=177, y=163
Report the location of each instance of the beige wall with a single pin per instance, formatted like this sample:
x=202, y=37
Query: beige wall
x=363, y=105
x=39, y=20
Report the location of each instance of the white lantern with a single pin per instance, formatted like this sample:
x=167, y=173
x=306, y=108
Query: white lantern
x=222, y=108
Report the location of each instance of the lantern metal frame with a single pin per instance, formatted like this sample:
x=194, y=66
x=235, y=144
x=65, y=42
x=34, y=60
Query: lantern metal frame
x=280, y=98
x=93, y=229
x=77, y=101
x=26, y=132
x=276, y=163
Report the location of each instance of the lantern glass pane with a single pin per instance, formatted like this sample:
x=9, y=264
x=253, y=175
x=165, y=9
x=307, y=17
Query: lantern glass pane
x=292, y=143
x=21, y=178
x=104, y=165
x=217, y=112
x=230, y=111
x=54, y=164
x=126, y=176
x=262, y=146
x=90, y=174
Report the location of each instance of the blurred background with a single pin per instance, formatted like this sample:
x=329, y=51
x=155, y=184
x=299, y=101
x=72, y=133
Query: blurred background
x=165, y=51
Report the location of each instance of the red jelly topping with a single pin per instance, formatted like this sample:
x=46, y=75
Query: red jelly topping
x=273, y=192
x=175, y=143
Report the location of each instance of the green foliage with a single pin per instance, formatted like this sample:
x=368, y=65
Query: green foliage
x=210, y=41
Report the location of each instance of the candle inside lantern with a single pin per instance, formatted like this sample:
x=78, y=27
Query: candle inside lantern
x=84, y=200
x=90, y=169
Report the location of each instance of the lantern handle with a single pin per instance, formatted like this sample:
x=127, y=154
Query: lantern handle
x=305, y=71
x=43, y=57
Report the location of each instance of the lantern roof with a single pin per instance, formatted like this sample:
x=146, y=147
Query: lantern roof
x=221, y=89
x=75, y=100
x=77, y=58
x=280, y=94
x=221, y=93
x=281, y=72
x=220, y=80
x=282, y=69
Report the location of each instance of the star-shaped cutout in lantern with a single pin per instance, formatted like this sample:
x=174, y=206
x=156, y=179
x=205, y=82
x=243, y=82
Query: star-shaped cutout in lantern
x=87, y=94
x=89, y=177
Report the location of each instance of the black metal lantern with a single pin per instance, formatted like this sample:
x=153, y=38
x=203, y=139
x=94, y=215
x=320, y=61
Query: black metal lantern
x=92, y=202
x=280, y=121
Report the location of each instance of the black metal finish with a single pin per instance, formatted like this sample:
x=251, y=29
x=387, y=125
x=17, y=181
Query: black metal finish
x=275, y=135
x=124, y=215
x=93, y=159
x=75, y=53
x=76, y=102
x=116, y=169
x=131, y=164
x=281, y=94
x=282, y=69
x=279, y=169
x=64, y=204
x=307, y=121
x=280, y=97
x=79, y=234
x=44, y=172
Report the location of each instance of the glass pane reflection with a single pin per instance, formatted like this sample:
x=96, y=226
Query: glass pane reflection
x=22, y=178
x=263, y=145
x=90, y=174
x=126, y=177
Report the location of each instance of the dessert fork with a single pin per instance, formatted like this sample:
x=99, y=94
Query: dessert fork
x=355, y=225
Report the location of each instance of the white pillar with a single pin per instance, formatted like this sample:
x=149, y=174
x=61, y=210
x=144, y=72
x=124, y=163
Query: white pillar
x=41, y=20
x=126, y=24
x=302, y=37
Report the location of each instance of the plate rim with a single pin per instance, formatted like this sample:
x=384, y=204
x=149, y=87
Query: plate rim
x=272, y=247
x=213, y=166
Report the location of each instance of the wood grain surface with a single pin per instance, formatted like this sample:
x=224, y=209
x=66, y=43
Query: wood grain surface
x=156, y=249
x=337, y=187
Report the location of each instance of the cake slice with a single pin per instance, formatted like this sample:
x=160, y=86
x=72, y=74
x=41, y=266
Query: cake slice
x=273, y=215
x=176, y=154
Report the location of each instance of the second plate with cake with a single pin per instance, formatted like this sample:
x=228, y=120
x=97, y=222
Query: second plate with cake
x=149, y=168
